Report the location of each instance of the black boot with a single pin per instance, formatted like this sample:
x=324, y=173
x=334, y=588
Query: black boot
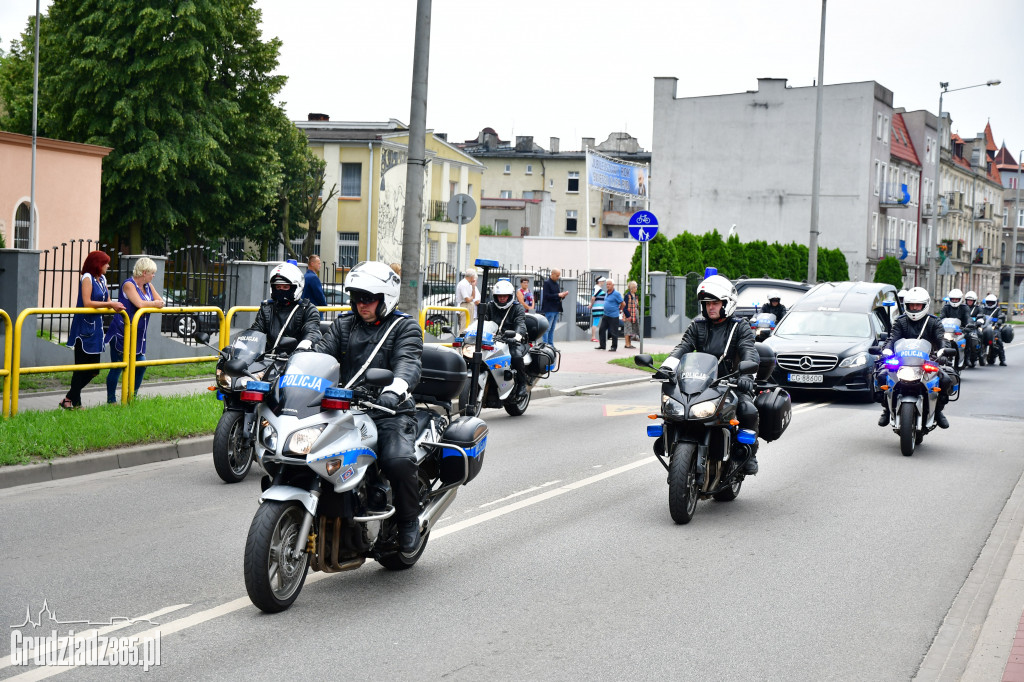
x=750, y=466
x=884, y=419
x=941, y=420
x=409, y=536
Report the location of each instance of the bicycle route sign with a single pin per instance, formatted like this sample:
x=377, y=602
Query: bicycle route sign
x=643, y=226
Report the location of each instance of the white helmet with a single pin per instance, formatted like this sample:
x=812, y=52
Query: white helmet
x=376, y=278
x=289, y=274
x=917, y=295
x=902, y=293
x=718, y=288
x=774, y=296
x=503, y=287
x=955, y=297
x=991, y=300
x=971, y=296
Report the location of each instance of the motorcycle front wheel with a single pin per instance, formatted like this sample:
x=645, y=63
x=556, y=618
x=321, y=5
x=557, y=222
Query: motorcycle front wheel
x=230, y=459
x=273, y=578
x=682, y=483
x=908, y=429
x=517, y=407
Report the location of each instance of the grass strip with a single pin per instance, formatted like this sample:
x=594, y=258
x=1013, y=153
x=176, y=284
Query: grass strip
x=628, y=362
x=48, y=381
x=36, y=436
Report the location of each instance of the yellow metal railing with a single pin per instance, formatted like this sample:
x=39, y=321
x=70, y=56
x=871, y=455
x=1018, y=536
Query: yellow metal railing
x=128, y=387
x=463, y=317
x=5, y=371
x=17, y=370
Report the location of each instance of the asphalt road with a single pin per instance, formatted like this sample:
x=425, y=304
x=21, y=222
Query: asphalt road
x=560, y=561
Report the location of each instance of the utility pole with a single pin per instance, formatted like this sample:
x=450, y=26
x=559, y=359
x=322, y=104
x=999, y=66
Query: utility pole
x=1013, y=297
x=409, y=299
x=812, y=249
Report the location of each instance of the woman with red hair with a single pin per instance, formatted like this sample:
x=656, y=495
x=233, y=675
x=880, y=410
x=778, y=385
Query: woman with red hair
x=86, y=335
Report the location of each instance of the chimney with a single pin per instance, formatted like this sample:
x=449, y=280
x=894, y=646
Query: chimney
x=587, y=142
x=318, y=117
x=524, y=143
x=441, y=136
x=554, y=145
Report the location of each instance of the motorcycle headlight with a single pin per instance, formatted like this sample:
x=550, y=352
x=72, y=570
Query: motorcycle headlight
x=268, y=435
x=858, y=360
x=670, y=405
x=301, y=442
x=908, y=374
x=467, y=351
x=704, y=410
x=223, y=380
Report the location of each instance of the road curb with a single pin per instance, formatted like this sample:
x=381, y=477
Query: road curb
x=122, y=458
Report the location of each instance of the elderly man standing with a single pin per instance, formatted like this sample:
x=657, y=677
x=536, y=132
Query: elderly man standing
x=551, y=304
x=613, y=303
x=467, y=295
x=312, y=290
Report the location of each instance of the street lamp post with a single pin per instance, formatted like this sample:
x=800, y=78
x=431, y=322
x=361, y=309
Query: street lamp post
x=935, y=193
x=1012, y=298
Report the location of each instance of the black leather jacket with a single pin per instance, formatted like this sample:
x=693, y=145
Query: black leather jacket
x=973, y=310
x=959, y=312
x=993, y=311
x=351, y=341
x=905, y=328
x=511, y=319
x=304, y=324
x=777, y=310
x=704, y=337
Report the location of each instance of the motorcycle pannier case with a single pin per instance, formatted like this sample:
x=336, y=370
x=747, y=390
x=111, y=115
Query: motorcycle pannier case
x=543, y=359
x=443, y=374
x=774, y=410
x=1006, y=331
x=766, y=363
x=536, y=326
x=470, y=434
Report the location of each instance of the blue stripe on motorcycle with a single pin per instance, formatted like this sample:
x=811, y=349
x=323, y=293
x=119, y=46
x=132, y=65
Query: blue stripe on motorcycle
x=499, y=362
x=474, y=451
x=349, y=456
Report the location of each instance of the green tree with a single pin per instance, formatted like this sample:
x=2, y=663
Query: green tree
x=16, y=69
x=889, y=272
x=715, y=254
x=739, y=263
x=661, y=257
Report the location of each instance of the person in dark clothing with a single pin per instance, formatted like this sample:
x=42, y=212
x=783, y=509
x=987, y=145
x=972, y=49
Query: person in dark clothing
x=971, y=304
x=378, y=336
x=551, y=304
x=917, y=323
x=504, y=309
x=774, y=306
x=287, y=313
x=718, y=333
x=956, y=309
x=312, y=289
x=991, y=309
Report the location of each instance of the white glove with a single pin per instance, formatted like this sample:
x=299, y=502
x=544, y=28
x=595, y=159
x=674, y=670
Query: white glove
x=670, y=364
x=305, y=344
x=518, y=337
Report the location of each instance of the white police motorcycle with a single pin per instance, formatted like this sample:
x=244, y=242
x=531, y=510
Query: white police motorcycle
x=912, y=390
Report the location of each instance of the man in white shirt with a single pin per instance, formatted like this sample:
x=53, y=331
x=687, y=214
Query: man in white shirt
x=467, y=295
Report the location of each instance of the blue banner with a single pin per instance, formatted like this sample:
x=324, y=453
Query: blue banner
x=615, y=177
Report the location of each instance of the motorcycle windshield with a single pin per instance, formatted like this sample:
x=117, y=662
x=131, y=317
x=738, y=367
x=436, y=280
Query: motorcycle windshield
x=951, y=325
x=298, y=391
x=696, y=372
x=912, y=352
x=247, y=346
x=764, y=320
x=490, y=329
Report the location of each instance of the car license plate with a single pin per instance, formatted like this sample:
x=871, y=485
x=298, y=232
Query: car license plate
x=805, y=378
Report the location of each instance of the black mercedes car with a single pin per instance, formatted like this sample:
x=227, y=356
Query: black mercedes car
x=822, y=343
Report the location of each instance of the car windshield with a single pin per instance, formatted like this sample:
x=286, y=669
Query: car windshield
x=757, y=295
x=825, y=323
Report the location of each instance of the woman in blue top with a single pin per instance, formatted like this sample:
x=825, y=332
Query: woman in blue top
x=136, y=292
x=86, y=335
x=597, y=307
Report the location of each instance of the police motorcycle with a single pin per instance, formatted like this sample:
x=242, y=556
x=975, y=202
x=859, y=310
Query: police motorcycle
x=763, y=324
x=912, y=389
x=495, y=387
x=974, y=350
x=325, y=504
x=954, y=335
x=241, y=362
x=988, y=331
x=699, y=441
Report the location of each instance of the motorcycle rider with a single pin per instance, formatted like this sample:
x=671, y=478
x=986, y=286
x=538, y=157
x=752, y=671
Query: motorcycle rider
x=774, y=306
x=286, y=313
x=918, y=323
x=956, y=309
x=719, y=333
x=510, y=315
x=971, y=303
x=991, y=309
x=377, y=335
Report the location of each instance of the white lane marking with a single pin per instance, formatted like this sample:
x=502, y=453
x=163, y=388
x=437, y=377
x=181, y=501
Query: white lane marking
x=807, y=408
x=87, y=634
x=519, y=494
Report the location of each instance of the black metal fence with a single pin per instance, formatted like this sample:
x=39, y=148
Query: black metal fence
x=60, y=271
x=195, y=275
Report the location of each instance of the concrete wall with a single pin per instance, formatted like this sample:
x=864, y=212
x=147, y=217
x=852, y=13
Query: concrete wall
x=564, y=253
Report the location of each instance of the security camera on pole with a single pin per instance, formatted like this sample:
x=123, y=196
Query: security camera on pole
x=642, y=227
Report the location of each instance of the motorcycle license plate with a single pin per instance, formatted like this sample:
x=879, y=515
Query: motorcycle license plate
x=805, y=378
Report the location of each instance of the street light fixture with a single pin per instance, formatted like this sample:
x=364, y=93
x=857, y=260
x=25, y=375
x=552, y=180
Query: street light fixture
x=935, y=193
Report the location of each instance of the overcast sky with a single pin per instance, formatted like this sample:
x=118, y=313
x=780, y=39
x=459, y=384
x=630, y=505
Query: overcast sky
x=572, y=69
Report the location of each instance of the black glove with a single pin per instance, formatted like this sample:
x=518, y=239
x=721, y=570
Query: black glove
x=745, y=384
x=389, y=399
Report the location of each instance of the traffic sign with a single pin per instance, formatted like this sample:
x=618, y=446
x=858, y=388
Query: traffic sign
x=643, y=226
x=461, y=208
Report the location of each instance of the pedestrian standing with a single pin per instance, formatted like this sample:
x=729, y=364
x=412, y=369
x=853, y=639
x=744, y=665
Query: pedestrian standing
x=86, y=334
x=551, y=304
x=613, y=304
x=312, y=289
x=631, y=314
x=467, y=295
x=136, y=292
x=524, y=294
x=596, y=307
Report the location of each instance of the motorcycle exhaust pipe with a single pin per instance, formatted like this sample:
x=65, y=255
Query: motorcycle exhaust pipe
x=436, y=508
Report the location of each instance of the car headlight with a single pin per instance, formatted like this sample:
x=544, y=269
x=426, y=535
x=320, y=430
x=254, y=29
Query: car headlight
x=908, y=374
x=301, y=442
x=858, y=360
x=670, y=405
x=268, y=435
x=704, y=410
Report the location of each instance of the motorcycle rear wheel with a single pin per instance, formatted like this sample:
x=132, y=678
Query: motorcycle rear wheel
x=399, y=561
x=682, y=483
x=272, y=578
x=231, y=461
x=514, y=407
x=908, y=429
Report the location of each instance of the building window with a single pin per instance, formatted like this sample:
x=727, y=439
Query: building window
x=452, y=253
x=885, y=127
x=1013, y=183
x=433, y=251
x=874, y=230
x=505, y=194
x=501, y=227
x=453, y=188
x=570, y=221
x=878, y=126
x=878, y=176
x=348, y=248
x=22, y=228
x=574, y=182
x=1020, y=217
x=351, y=180
x=508, y=168
x=529, y=169
x=1020, y=254
x=551, y=183
x=1006, y=217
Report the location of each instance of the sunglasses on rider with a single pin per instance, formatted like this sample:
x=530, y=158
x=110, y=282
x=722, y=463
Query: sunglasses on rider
x=358, y=297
